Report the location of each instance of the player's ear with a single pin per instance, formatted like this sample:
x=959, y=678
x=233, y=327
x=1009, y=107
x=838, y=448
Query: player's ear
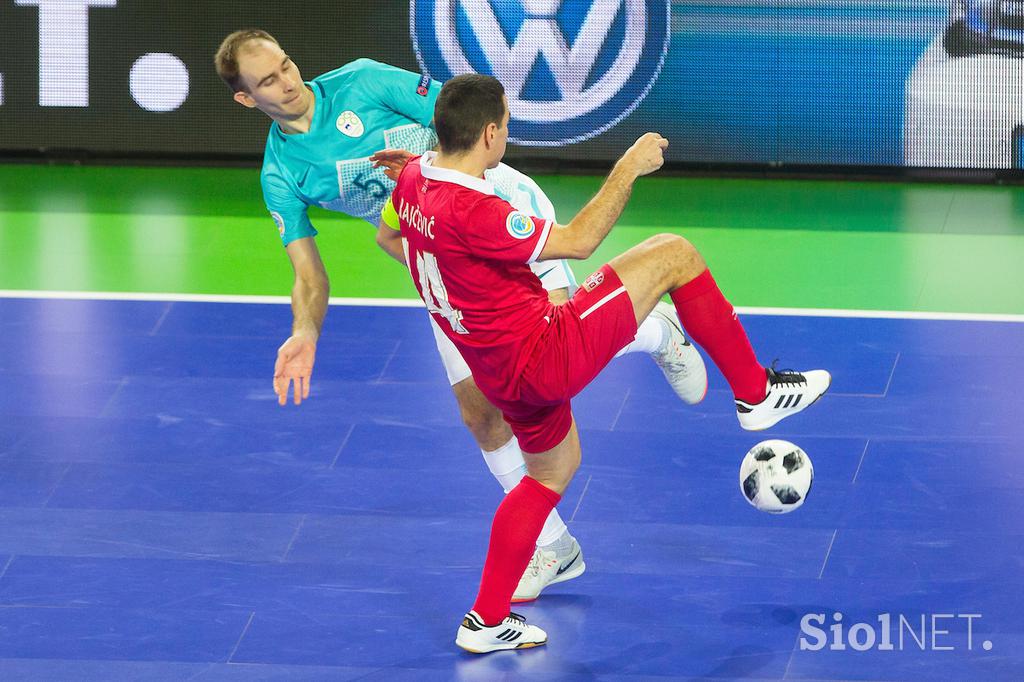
x=244, y=99
x=490, y=132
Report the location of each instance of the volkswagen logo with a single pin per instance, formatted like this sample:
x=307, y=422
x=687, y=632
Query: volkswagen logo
x=571, y=68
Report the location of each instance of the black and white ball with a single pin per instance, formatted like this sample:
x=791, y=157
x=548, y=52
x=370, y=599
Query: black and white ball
x=776, y=476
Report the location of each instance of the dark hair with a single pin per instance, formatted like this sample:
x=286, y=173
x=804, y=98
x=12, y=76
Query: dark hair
x=466, y=105
x=226, y=59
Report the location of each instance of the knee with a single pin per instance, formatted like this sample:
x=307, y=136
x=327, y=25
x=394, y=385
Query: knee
x=484, y=421
x=680, y=249
x=683, y=256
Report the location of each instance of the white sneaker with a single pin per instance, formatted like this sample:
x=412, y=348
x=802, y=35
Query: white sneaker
x=679, y=359
x=788, y=393
x=511, y=633
x=547, y=568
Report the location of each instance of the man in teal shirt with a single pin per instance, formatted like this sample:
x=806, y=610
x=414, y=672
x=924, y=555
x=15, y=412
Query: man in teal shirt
x=318, y=152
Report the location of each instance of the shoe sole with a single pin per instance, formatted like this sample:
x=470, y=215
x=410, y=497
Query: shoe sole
x=763, y=427
x=575, y=572
x=524, y=645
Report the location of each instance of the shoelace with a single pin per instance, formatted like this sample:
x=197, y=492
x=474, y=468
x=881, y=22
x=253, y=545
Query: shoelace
x=536, y=562
x=515, y=618
x=784, y=376
x=671, y=355
x=534, y=567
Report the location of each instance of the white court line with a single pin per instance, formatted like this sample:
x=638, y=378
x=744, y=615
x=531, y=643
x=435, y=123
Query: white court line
x=580, y=501
x=882, y=314
x=201, y=298
x=416, y=303
x=828, y=553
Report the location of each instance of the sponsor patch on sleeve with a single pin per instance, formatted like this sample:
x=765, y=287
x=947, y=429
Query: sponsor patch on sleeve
x=519, y=225
x=424, y=87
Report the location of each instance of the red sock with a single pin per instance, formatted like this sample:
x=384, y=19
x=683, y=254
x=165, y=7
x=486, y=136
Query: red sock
x=517, y=523
x=710, y=320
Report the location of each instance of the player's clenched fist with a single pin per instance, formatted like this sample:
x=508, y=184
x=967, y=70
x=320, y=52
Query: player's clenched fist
x=646, y=155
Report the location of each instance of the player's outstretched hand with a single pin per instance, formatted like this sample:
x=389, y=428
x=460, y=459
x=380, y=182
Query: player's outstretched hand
x=294, y=363
x=646, y=155
x=392, y=161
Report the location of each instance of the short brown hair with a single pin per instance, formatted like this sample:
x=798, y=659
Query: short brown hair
x=464, y=108
x=226, y=59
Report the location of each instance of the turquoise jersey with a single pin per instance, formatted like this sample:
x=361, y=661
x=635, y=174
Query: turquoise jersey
x=361, y=108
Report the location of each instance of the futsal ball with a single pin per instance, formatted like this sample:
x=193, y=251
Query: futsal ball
x=776, y=476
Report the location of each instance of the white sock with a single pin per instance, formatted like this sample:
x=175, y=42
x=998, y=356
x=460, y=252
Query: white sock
x=507, y=465
x=560, y=545
x=554, y=530
x=650, y=337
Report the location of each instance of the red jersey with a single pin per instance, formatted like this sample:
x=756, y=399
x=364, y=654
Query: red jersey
x=468, y=252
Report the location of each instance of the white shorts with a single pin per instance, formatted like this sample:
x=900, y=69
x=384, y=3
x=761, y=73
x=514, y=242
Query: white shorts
x=522, y=192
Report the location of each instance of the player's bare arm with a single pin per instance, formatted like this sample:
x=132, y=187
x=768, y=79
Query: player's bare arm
x=584, y=233
x=310, y=294
x=390, y=241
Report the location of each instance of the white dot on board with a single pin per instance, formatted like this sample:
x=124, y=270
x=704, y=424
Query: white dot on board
x=158, y=82
x=987, y=645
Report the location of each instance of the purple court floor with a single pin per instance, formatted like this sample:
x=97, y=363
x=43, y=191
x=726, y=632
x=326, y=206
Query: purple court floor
x=162, y=518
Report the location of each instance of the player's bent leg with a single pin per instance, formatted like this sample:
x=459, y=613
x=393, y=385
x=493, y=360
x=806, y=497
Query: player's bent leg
x=654, y=267
x=507, y=466
x=670, y=263
x=555, y=546
x=490, y=626
x=562, y=558
x=556, y=467
x=659, y=335
x=505, y=462
x=556, y=277
x=647, y=271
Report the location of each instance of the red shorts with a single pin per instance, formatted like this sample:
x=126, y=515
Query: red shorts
x=584, y=334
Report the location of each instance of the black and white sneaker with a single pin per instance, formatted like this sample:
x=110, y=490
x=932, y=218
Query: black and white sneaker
x=511, y=633
x=789, y=392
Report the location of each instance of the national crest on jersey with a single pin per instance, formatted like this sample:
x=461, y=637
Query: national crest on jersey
x=350, y=124
x=593, y=281
x=360, y=108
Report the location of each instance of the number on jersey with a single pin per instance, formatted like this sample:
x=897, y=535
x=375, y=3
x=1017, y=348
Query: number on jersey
x=434, y=293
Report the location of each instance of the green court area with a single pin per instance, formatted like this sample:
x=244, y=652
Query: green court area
x=776, y=243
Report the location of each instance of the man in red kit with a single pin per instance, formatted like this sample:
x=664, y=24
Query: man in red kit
x=469, y=252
